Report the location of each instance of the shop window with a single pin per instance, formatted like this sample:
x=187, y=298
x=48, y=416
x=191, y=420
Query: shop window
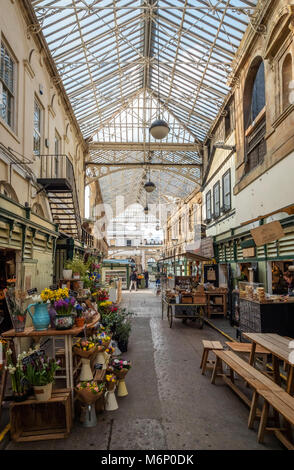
x=7, y=190
x=287, y=75
x=37, y=128
x=216, y=200
x=208, y=206
x=7, y=86
x=226, y=191
x=254, y=115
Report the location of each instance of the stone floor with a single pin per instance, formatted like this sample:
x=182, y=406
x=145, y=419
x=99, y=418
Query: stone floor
x=170, y=404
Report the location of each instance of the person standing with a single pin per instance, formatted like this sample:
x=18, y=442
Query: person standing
x=146, y=277
x=289, y=278
x=133, y=279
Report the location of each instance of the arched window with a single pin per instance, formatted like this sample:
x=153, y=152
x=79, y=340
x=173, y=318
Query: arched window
x=287, y=74
x=254, y=102
x=254, y=93
x=7, y=190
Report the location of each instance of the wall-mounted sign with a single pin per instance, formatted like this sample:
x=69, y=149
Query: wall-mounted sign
x=206, y=248
x=249, y=252
x=267, y=233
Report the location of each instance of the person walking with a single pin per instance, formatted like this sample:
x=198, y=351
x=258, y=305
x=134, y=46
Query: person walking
x=146, y=277
x=133, y=279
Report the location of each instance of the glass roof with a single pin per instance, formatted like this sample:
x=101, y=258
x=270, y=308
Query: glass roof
x=123, y=62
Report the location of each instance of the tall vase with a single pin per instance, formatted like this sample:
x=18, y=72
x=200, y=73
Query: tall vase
x=122, y=388
x=110, y=401
x=86, y=372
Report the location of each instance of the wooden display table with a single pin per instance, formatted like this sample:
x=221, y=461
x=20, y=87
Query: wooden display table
x=66, y=335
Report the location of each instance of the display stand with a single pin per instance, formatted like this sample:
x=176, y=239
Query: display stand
x=216, y=303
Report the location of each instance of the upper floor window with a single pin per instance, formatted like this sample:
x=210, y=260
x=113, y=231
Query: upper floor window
x=37, y=128
x=254, y=115
x=7, y=87
x=216, y=200
x=208, y=205
x=227, y=191
x=287, y=77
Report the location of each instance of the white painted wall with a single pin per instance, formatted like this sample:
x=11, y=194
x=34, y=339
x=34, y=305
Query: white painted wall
x=271, y=191
x=223, y=223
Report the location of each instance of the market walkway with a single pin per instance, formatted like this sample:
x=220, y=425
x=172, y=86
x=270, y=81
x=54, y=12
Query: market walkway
x=170, y=404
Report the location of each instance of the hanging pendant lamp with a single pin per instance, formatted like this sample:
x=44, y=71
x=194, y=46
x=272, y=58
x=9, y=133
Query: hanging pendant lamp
x=146, y=210
x=159, y=128
x=149, y=187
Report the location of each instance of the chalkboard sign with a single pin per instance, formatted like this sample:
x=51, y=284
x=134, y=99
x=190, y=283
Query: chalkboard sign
x=53, y=287
x=32, y=357
x=98, y=366
x=32, y=291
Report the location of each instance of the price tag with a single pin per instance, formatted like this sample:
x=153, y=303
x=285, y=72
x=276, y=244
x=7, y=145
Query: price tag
x=32, y=291
x=73, y=293
x=53, y=287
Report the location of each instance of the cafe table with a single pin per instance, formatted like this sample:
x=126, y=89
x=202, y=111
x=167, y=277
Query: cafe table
x=279, y=347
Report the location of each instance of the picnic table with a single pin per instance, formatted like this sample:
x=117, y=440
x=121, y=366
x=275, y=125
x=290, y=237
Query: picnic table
x=196, y=312
x=279, y=347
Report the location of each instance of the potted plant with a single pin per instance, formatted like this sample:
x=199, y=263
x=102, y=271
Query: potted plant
x=64, y=318
x=40, y=373
x=20, y=386
x=122, y=334
x=78, y=267
x=80, y=319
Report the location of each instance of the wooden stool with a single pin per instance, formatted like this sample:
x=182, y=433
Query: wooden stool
x=245, y=348
x=208, y=346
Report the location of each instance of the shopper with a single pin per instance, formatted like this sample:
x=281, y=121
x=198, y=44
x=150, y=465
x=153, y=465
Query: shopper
x=146, y=277
x=133, y=279
x=289, y=278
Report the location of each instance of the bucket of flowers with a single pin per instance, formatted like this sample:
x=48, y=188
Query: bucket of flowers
x=64, y=319
x=110, y=382
x=40, y=372
x=84, y=348
x=80, y=319
x=89, y=392
x=54, y=296
x=120, y=369
x=100, y=295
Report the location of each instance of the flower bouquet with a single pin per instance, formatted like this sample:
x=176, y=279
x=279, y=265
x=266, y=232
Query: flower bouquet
x=20, y=386
x=84, y=348
x=89, y=392
x=80, y=319
x=100, y=295
x=110, y=382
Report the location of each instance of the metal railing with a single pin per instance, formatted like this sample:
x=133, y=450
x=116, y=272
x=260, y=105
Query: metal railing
x=58, y=167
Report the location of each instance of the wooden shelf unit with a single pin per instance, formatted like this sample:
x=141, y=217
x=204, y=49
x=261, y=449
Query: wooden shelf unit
x=218, y=305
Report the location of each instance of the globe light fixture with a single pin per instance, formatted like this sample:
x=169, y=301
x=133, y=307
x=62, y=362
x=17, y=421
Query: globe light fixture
x=159, y=129
x=149, y=187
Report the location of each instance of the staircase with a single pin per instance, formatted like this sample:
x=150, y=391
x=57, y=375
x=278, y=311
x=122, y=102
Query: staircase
x=58, y=180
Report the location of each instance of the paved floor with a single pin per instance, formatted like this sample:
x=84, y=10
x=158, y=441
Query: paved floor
x=170, y=404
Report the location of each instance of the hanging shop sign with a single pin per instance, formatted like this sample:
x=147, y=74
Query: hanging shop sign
x=267, y=233
x=32, y=291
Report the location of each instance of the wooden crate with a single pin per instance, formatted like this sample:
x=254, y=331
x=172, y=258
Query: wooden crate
x=187, y=299
x=32, y=420
x=199, y=299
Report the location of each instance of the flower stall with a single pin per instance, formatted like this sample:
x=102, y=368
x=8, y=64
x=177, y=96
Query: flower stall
x=93, y=331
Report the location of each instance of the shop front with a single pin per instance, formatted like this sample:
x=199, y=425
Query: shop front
x=27, y=249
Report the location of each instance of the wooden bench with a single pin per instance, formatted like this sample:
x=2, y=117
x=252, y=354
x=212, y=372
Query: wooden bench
x=245, y=348
x=208, y=346
x=256, y=380
x=283, y=404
